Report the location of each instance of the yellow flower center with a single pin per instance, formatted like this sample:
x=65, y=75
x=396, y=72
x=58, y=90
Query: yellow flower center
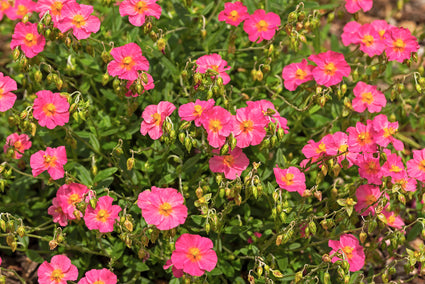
x=229, y=161
x=422, y=165
x=348, y=251
x=321, y=148
x=215, y=125
x=330, y=69
x=57, y=275
x=370, y=199
x=56, y=8
x=391, y=219
x=197, y=110
x=372, y=168
x=389, y=131
x=157, y=118
x=78, y=21
x=343, y=148
x=234, y=15
x=246, y=126
x=368, y=40
x=262, y=26
x=194, y=254
x=364, y=138
x=30, y=40
x=367, y=97
x=141, y=7
x=102, y=215
x=50, y=161
x=300, y=74
x=4, y=5
x=399, y=45
x=395, y=169
x=17, y=145
x=288, y=179
x=22, y=10
x=127, y=63
x=49, y=109
x=99, y=282
x=165, y=209
x=214, y=67
x=73, y=198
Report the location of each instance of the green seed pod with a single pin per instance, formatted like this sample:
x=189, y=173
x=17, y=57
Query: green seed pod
x=93, y=203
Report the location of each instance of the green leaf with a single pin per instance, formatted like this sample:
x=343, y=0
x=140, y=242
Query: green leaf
x=197, y=219
x=34, y=256
x=103, y=174
x=94, y=142
x=84, y=175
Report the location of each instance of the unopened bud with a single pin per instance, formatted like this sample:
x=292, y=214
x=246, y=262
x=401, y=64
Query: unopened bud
x=53, y=244
x=130, y=163
x=161, y=43
x=224, y=150
x=188, y=144
x=362, y=237
x=20, y=231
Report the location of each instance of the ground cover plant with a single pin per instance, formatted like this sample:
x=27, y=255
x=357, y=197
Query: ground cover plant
x=194, y=141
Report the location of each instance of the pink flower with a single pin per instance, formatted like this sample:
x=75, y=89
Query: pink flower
x=194, y=255
x=154, y=117
x=369, y=168
x=392, y=219
x=400, y=44
x=78, y=18
x=393, y=167
x=385, y=131
x=381, y=26
x=57, y=213
x=349, y=246
x=261, y=25
x=99, y=276
x=176, y=272
x=162, y=207
x=4, y=8
x=416, y=166
x=103, y=217
x=349, y=33
x=340, y=142
x=19, y=143
x=58, y=271
x=314, y=150
x=51, y=160
x=7, y=98
x=20, y=9
x=51, y=109
x=366, y=196
x=353, y=6
x=68, y=196
x=233, y=13
x=256, y=235
x=290, y=179
x=138, y=10
x=147, y=84
x=367, y=96
x=249, y=124
x=54, y=7
x=270, y=113
x=232, y=165
x=370, y=40
x=295, y=74
x=218, y=123
x=406, y=183
x=27, y=37
x=331, y=67
x=361, y=138
x=195, y=111
x=128, y=59
x=215, y=63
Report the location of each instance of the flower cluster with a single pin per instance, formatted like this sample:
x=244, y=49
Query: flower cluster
x=330, y=68
x=379, y=36
x=60, y=270
x=259, y=26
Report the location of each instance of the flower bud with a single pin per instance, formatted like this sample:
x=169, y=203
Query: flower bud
x=362, y=237
x=161, y=43
x=20, y=231
x=203, y=33
x=326, y=278
x=312, y=227
x=259, y=75
x=128, y=225
x=93, y=203
x=130, y=163
x=279, y=240
x=188, y=144
x=326, y=258
x=224, y=150
x=3, y=225
x=298, y=276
